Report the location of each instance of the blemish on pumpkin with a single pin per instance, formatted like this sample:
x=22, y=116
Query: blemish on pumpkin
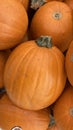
x=57, y=15
x=71, y=57
x=71, y=111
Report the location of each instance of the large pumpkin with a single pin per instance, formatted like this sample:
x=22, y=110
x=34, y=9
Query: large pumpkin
x=3, y=58
x=12, y=117
x=70, y=3
x=54, y=19
x=63, y=110
x=13, y=23
x=34, y=74
x=69, y=63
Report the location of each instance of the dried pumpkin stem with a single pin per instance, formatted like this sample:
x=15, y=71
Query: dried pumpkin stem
x=52, y=121
x=35, y=4
x=71, y=111
x=44, y=41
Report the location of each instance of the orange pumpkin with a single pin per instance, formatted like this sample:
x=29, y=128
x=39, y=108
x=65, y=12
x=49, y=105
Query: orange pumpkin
x=12, y=117
x=3, y=58
x=35, y=4
x=13, y=23
x=54, y=19
x=69, y=63
x=34, y=74
x=70, y=3
x=63, y=110
x=25, y=3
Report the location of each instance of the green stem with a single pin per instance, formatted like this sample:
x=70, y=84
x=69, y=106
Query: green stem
x=35, y=4
x=44, y=41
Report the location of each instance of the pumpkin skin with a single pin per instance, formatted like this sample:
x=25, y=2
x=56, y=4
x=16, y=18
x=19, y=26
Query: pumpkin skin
x=69, y=63
x=34, y=76
x=63, y=110
x=52, y=19
x=26, y=37
x=70, y=3
x=25, y=3
x=3, y=58
x=11, y=116
x=14, y=23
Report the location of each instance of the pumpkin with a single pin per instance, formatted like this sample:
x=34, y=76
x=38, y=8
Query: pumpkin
x=69, y=63
x=12, y=117
x=54, y=19
x=63, y=109
x=35, y=4
x=70, y=3
x=25, y=3
x=34, y=75
x=3, y=58
x=13, y=23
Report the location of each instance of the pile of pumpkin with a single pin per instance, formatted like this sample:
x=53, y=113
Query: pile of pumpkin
x=36, y=65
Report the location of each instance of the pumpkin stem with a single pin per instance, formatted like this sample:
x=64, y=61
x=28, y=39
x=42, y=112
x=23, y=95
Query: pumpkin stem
x=71, y=111
x=52, y=121
x=44, y=41
x=35, y=4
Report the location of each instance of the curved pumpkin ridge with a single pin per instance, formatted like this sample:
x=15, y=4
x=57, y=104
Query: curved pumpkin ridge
x=15, y=56
x=24, y=75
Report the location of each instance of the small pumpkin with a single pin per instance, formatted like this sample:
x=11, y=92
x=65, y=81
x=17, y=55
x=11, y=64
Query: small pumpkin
x=25, y=3
x=34, y=75
x=70, y=3
x=3, y=58
x=63, y=109
x=13, y=23
x=35, y=4
x=54, y=19
x=12, y=117
x=69, y=63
